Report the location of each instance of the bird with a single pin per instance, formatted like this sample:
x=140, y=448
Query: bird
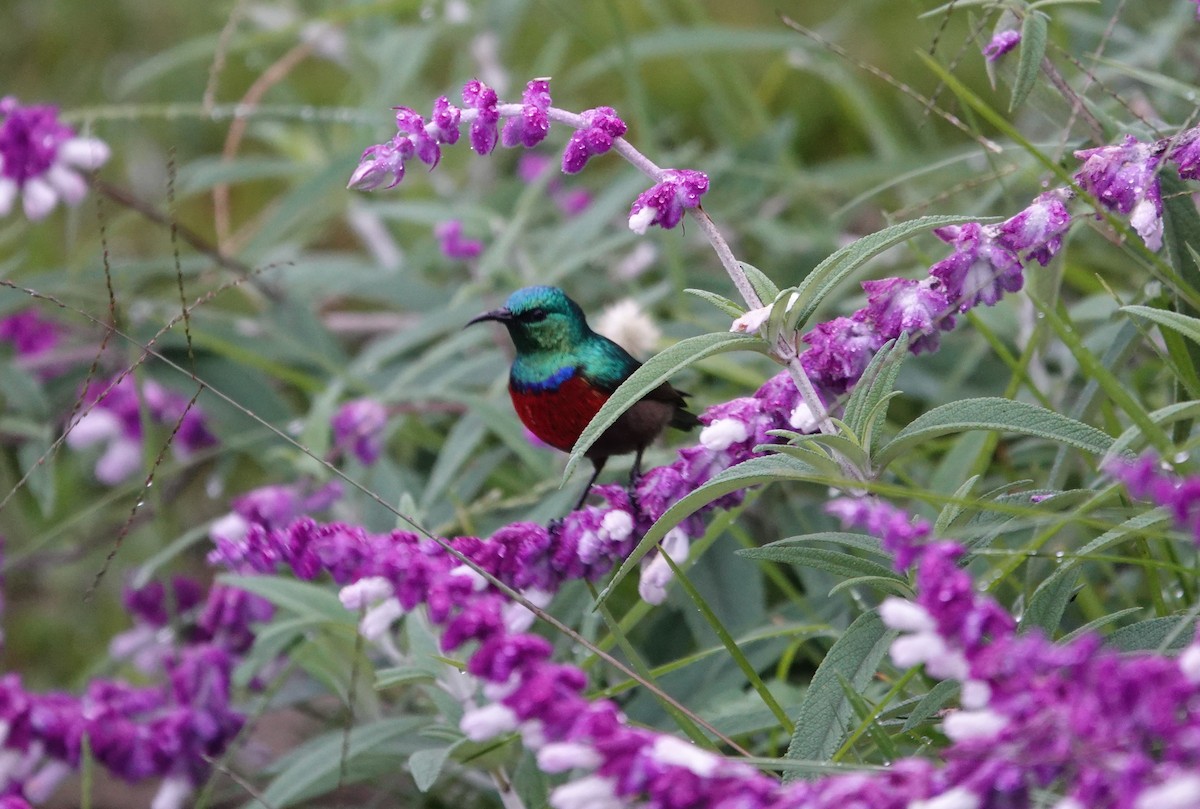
x=564, y=372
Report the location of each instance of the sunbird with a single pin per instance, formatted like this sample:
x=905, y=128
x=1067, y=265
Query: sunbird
x=564, y=372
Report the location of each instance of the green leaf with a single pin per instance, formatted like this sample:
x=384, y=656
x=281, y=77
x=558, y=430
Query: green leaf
x=839, y=563
x=426, y=765
x=305, y=599
x=954, y=507
x=1033, y=51
x=884, y=584
x=931, y=703
x=993, y=413
x=1189, y=327
x=719, y=301
x=314, y=768
x=830, y=272
x=1135, y=436
x=764, y=286
x=1175, y=632
x=824, y=712
x=754, y=472
x=657, y=370
x=1132, y=528
x=1102, y=621
x=875, y=387
x=1048, y=604
x=863, y=542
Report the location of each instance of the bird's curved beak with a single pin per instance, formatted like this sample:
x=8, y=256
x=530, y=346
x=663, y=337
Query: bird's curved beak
x=501, y=315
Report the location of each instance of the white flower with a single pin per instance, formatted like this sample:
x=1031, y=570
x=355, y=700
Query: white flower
x=563, y=756
x=172, y=793
x=905, y=615
x=1179, y=792
x=364, y=592
x=723, y=433
x=589, y=792
x=379, y=619
x=626, y=323
x=652, y=584
x=957, y=798
x=479, y=724
x=1189, y=663
x=676, y=752
x=963, y=725
x=802, y=419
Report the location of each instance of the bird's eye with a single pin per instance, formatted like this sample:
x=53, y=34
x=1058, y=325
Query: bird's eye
x=534, y=315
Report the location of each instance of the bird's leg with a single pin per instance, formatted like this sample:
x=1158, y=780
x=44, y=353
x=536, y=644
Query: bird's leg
x=635, y=477
x=598, y=464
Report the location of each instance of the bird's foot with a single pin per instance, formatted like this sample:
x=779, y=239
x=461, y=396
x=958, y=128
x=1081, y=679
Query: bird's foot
x=634, y=506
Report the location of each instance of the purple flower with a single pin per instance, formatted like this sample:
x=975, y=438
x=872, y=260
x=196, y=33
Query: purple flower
x=1186, y=153
x=444, y=121
x=410, y=125
x=980, y=270
x=1002, y=43
x=840, y=351
x=601, y=126
x=379, y=162
x=1123, y=178
x=113, y=418
x=358, y=428
x=1037, y=231
x=30, y=334
x=898, y=305
x=1148, y=479
x=663, y=204
x=478, y=96
x=452, y=243
x=40, y=159
x=531, y=127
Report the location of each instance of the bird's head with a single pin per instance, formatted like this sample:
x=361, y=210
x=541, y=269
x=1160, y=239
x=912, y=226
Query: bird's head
x=540, y=319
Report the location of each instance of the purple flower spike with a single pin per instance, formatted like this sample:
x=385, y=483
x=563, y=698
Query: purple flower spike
x=1037, y=231
x=450, y=237
x=358, y=428
x=40, y=159
x=531, y=127
x=1186, y=154
x=601, y=127
x=664, y=203
x=479, y=96
x=445, y=121
x=841, y=350
x=897, y=305
x=1123, y=179
x=412, y=126
x=1002, y=43
x=980, y=270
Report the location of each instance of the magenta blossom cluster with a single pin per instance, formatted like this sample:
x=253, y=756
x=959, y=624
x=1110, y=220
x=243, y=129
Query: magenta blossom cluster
x=1096, y=727
x=187, y=640
x=112, y=416
x=1001, y=43
x=453, y=243
x=597, y=131
x=358, y=429
x=40, y=159
x=33, y=339
x=1149, y=479
x=987, y=261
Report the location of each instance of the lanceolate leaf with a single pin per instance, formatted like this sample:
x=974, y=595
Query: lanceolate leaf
x=1033, y=51
x=656, y=371
x=995, y=414
x=874, y=387
x=838, y=563
x=720, y=301
x=830, y=272
x=1189, y=327
x=824, y=712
